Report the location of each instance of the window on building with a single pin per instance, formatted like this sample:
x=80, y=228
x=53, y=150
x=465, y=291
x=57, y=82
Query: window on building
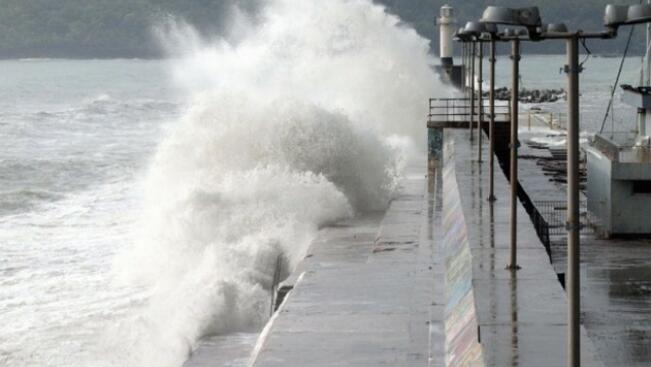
x=641, y=187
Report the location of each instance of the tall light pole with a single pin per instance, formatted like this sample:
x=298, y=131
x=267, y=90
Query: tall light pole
x=615, y=16
x=515, y=37
x=573, y=285
x=464, y=66
x=491, y=126
x=473, y=58
x=475, y=31
x=481, y=98
x=513, y=161
x=529, y=18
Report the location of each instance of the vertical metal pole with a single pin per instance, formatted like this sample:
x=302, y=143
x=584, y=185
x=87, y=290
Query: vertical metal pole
x=472, y=86
x=491, y=127
x=481, y=97
x=465, y=75
x=647, y=59
x=572, y=284
x=515, y=87
x=464, y=67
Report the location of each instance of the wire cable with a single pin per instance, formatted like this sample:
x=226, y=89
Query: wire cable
x=619, y=74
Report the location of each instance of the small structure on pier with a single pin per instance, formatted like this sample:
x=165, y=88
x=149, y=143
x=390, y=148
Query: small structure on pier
x=619, y=172
x=450, y=72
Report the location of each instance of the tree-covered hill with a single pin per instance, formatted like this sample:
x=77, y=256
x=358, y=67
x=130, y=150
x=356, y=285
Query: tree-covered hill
x=121, y=28
x=577, y=14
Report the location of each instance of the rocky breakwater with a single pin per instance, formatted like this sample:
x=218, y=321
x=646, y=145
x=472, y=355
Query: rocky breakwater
x=531, y=95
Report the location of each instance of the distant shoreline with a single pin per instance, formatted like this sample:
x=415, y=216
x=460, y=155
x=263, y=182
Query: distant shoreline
x=161, y=58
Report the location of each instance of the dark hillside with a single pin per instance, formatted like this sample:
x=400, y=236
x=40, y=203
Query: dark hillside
x=121, y=28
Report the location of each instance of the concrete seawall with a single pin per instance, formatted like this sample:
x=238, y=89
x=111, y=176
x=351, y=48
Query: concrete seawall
x=462, y=347
x=425, y=283
x=521, y=315
x=364, y=300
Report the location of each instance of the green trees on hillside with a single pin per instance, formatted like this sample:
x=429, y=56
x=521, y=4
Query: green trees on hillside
x=120, y=28
x=577, y=14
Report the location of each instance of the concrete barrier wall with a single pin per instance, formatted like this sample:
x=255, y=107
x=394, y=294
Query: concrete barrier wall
x=462, y=335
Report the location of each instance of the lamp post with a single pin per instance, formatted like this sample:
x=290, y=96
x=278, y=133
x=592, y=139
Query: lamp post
x=473, y=58
x=476, y=31
x=529, y=18
x=513, y=161
x=463, y=63
x=492, y=34
x=615, y=16
x=462, y=37
x=480, y=82
x=515, y=37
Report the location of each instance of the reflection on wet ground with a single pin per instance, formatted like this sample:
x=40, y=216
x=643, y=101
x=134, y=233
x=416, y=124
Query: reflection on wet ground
x=616, y=299
x=521, y=315
x=615, y=274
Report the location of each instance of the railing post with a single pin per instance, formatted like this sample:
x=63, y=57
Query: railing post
x=454, y=110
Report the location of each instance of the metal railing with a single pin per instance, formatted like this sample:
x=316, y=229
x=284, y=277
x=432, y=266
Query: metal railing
x=553, y=120
x=458, y=110
x=622, y=147
x=553, y=214
x=275, y=282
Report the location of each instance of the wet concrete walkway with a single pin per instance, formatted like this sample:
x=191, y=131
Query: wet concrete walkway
x=522, y=315
x=615, y=279
x=425, y=284
x=366, y=297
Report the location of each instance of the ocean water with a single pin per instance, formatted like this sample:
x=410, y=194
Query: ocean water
x=144, y=205
x=596, y=83
x=77, y=137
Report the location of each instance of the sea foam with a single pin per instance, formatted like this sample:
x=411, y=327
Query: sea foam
x=303, y=120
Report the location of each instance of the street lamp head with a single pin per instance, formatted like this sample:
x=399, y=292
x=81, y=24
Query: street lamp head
x=474, y=29
x=490, y=32
x=521, y=17
x=455, y=36
x=639, y=14
x=618, y=15
x=461, y=36
x=524, y=17
x=553, y=28
x=615, y=15
x=490, y=28
x=510, y=33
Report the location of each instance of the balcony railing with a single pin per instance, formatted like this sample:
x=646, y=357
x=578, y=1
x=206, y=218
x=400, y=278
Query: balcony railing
x=458, y=110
